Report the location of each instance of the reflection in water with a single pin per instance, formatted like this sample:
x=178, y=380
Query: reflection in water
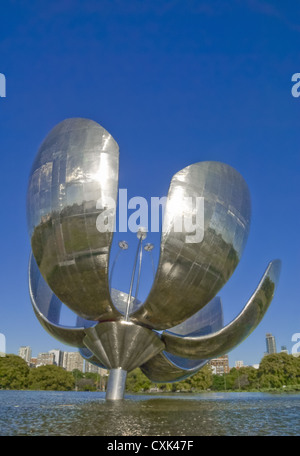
x=70, y=413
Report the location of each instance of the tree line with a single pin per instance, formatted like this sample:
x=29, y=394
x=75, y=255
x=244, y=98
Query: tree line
x=277, y=371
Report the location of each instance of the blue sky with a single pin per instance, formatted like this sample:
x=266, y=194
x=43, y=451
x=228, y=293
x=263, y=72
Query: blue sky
x=175, y=82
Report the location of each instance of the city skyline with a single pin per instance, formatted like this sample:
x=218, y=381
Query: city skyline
x=231, y=364
x=176, y=85
x=69, y=360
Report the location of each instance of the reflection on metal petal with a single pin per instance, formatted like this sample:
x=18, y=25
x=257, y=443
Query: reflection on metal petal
x=121, y=344
x=234, y=333
x=47, y=308
x=166, y=367
x=120, y=298
x=205, y=321
x=90, y=357
x=189, y=275
x=71, y=205
x=72, y=181
x=161, y=369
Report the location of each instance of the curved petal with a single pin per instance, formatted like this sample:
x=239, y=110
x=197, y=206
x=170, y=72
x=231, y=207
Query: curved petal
x=120, y=298
x=161, y=369
x=193, y=268
x=166, y=367
x=72, y=185
x=221, y=342
x=205, y=321
x=47, y=308
x=90, y=357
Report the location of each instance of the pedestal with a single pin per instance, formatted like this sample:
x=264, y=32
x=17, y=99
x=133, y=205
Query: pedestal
x=116, y=384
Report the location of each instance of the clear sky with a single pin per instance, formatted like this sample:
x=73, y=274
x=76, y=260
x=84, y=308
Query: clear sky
x=174, y=82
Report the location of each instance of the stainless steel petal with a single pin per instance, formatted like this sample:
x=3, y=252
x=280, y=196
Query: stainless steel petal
x=90, y=357
x=162, y=370
x=166, y=367
x=120, y=298
x=221, y=342
x=205, y=321
x=47, y=308
x=73, y=180
x=189, y=274
x=122, y=344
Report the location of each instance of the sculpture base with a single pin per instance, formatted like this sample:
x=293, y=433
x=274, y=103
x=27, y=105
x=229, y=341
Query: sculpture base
x=116, y=384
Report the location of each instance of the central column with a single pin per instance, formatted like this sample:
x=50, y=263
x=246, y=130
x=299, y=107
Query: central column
x=116, y=384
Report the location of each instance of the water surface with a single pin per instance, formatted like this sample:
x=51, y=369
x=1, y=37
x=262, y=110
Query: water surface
x=208, y=414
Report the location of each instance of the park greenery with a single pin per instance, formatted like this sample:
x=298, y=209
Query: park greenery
x=277, y=372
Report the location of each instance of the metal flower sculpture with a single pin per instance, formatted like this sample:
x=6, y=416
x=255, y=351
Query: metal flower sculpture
x=179, y=327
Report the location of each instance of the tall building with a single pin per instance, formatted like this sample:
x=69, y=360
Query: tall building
x=45, y=359
x=89, y=367
x=271, y=344
x=2, y=345
x=33, y=362
x=58, y=357
x=220, y=365
x=238, y=364
x=25, y=353
x=284, y=349
x=73, y=360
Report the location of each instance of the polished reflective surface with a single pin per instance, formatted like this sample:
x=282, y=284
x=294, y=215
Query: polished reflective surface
x=122, y=344
x=221, y=342
x=189, y=275
x=73, y=182
x=120, y=298
x=47, y=308
x=205, y=321
x=73, y=178
x=166, y=366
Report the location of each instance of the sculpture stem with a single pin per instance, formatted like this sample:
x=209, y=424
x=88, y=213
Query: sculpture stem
x=132, y=280
x=139, y=272
x=116, y=384
x=112, y=269
x=153, y=267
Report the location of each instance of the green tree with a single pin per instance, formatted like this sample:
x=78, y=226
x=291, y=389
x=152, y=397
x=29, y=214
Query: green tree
x=218, y=383
x=136, y=381
x=252, y=376
x=165, y=387
x=50, y=378
x=202, y=380
x=77, y=374
x=183, y=385
x=13, y=372
x=86, y=382
x=279, y=369
x=92, y=376
x=243, y=379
